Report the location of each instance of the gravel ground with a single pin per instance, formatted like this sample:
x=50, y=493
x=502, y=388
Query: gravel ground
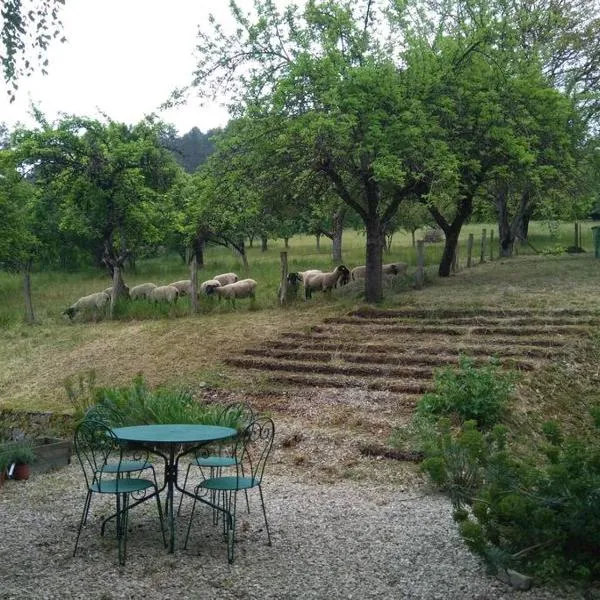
x=330, y=541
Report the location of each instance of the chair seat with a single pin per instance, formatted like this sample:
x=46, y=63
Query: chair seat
x=126, y=466
x=121, y=486
x=230, y=483
x=216, y=461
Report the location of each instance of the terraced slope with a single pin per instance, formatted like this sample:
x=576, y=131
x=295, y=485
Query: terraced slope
x=398, y=350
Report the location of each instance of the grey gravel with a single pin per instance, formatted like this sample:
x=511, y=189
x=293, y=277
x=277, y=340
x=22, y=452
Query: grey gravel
x=330, y=541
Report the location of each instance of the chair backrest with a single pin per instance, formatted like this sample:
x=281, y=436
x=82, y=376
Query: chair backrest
x=96, y=445
x=237, y=414
x=253, y=448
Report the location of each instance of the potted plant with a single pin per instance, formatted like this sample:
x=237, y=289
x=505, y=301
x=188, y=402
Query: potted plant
x=20, y=454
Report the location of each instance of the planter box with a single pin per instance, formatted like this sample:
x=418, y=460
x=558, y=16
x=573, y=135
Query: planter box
x=50, y=454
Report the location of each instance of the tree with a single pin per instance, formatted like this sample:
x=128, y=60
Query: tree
x=109, y=179
x=347, y=111
x=28, y=27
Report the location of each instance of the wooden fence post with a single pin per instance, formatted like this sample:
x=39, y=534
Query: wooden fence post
x=491, y=244
x=455, y=259
x=283, y=281
x=420, y=274
x=470, y=250
x=483, y=243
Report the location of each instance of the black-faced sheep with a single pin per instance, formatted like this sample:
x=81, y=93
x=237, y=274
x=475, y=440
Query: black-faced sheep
x=208, y=284
x=226, y=278
x=184, y=287
x=164, y=293
x=92, y=303
x=246, y=288
x=142, y=291
x=324, y=281
x=387, y=269
x=292, y=283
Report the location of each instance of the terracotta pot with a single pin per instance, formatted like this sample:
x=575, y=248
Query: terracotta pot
x=21, y=471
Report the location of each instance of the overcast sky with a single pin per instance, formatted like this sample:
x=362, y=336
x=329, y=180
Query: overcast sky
x=122, y=57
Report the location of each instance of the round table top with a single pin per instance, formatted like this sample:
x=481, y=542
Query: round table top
x=174, y=433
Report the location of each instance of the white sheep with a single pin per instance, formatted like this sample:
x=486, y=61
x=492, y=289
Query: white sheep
x=324, y=281
x=303, y=274
x=208, y=284
x=246, y=288
x=387, y=269
x=108, y=291
x=164, y=293
x=91, y=303
x=142, y=291
x=226, y=278
x=184, y=287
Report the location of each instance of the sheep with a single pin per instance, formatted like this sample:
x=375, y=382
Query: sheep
x=184, y=287
x=164, y=293
x=246, y=288
x=93, y=302
x=209, y=283
x=142, y=291
x=226, y=278
x=324, y=281
x=303, y=274
x=387, y=269
x=108, y=291
x=292, y=283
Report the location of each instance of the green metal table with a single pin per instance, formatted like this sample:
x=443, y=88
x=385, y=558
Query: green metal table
x=166, y=440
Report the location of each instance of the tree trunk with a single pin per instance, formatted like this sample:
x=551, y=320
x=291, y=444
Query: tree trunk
x=264, y=243
x=505, y=232
x=29, y=315
x=318, y=236
x=251, y=241
x=118, y=289
x=412, y=233
x=336, y=235
x=449, y=250
x=243, y=256
x=374, y=260
x=520, y=226
x=197, y=262
x=286, y=242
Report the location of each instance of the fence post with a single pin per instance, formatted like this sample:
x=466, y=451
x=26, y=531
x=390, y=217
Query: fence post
x=420, y=274
x=483, y=242
x=283, y=281
x=470, y=242
x=491, y=244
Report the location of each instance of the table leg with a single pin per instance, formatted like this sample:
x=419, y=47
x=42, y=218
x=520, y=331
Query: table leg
x=171, y=480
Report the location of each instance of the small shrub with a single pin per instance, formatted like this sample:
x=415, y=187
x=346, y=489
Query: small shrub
x=469, y=392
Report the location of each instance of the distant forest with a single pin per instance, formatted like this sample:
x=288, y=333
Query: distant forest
x=193, y=148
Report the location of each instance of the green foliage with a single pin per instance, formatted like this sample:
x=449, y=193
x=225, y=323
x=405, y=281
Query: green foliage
x=539, y=515
x=469, y=392
x=139, y=405
x=20, y=452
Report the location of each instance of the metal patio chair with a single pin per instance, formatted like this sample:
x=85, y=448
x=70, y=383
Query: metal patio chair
x=237, y=414
x=251, y=451
x=105, y=468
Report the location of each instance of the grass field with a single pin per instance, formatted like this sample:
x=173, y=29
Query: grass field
x=184, y=350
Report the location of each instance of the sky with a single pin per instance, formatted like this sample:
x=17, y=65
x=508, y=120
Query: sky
x=122, y=58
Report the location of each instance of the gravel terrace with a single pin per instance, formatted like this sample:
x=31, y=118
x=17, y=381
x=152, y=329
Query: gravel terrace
x=331, y=540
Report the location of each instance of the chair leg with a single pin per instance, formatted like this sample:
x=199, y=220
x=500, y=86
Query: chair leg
x=187, y=474
x=86, y=508
x=262, y=501
x=231, y=522
x=187, y=535
x=122, y=527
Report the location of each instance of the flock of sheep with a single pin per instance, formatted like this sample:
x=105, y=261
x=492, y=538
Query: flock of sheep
x=229, y=286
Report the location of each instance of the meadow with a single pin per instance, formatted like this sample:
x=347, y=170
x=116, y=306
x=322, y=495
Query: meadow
x=173, y=348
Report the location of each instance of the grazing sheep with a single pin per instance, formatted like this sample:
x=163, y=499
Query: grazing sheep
x=208, y=284
x=142, y=291
x=184, y=287
x=324, y=281
x=91, y=303
x=303, y=274
x=387, y=269
x=292, y=283
x=164, y=293
x=246, y=288
x=226, y=278
x=108, y=291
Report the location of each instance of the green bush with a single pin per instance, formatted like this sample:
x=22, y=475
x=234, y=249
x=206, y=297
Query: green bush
x=541, y=516
x=469, y=392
